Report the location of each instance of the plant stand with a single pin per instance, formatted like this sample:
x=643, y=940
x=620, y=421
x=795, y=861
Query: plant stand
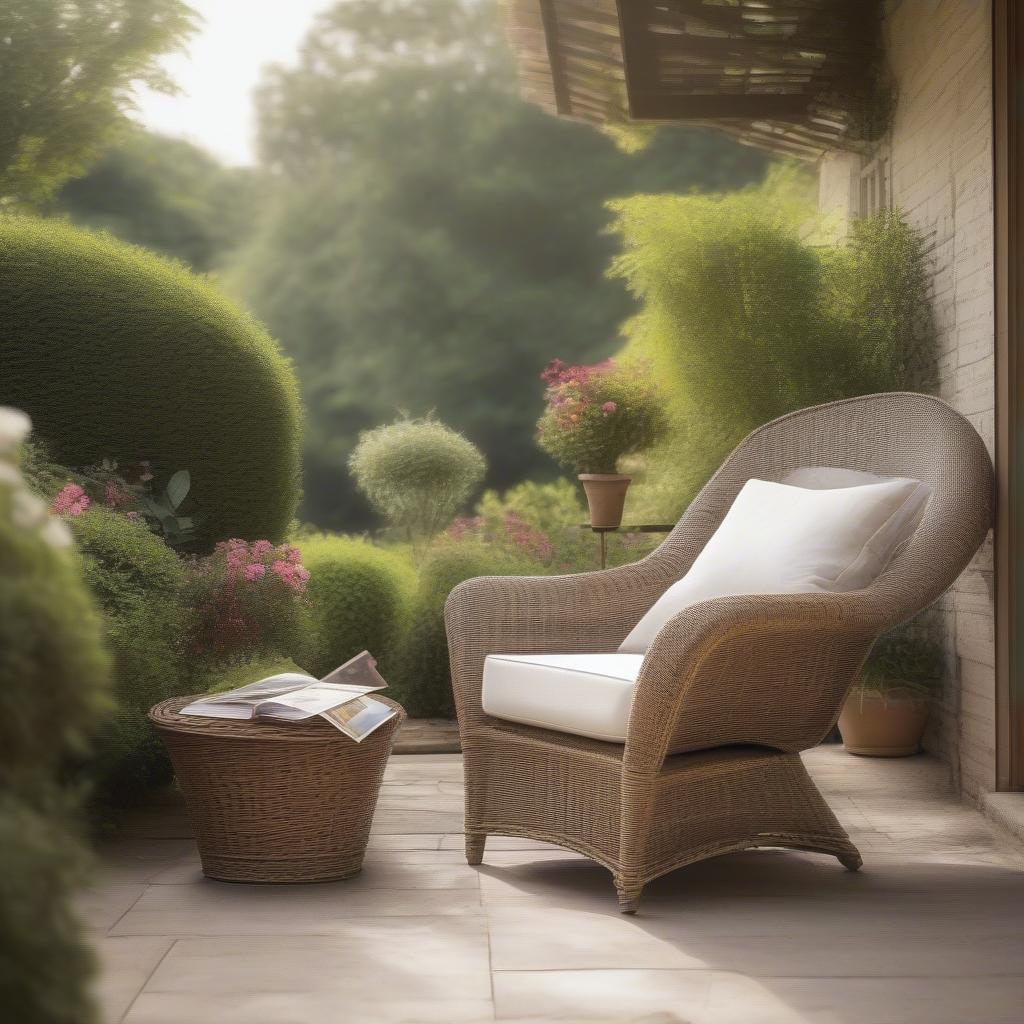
x=602, y=531
x=276, y=801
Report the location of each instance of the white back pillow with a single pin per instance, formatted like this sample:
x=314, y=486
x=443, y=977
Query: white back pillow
x=779, y=538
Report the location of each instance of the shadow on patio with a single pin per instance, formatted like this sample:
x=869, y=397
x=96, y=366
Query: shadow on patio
x=931, y=930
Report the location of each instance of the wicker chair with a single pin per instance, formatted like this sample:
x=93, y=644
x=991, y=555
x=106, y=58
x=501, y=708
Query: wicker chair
x=733, y=688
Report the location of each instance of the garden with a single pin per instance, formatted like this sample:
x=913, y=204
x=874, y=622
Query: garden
x=155, y=461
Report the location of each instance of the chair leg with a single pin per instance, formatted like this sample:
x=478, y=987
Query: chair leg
x=850, y=861
x=475, y=842
x=629, y=896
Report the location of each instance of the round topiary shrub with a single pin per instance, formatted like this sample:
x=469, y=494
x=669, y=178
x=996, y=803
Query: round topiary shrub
x=416, y=473
x=116, y=352
x=358, y=598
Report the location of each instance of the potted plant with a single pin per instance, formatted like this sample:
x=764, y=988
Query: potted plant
x=885, y=713
x=594, y=416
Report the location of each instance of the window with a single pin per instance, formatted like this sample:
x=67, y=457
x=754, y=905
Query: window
x=875, y=193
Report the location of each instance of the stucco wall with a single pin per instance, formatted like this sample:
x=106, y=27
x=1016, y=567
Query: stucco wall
x=940, y=56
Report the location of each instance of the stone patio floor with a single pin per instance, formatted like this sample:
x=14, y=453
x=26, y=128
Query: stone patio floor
x=931, y=930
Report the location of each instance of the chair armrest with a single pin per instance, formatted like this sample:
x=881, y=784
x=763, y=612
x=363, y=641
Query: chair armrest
x=544, y=614
x=765, y=669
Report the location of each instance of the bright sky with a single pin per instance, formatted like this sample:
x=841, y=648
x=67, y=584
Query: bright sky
x=235, y=41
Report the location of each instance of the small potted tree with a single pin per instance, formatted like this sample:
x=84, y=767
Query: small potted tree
x=594, y=416
x=886, y=711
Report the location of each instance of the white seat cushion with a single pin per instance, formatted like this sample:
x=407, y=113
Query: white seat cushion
x=583, y=694
x=783, y=539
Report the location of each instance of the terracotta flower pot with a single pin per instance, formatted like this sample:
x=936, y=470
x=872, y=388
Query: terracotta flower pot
x=883, y=725
x=606, y=496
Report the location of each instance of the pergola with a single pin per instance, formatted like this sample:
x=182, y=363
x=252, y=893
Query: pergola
x=793, y=76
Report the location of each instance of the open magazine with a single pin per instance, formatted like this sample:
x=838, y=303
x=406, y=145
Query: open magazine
x=340, y=697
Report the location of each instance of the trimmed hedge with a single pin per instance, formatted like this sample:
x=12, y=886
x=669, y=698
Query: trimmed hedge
x=423, y=682
x=358, y=599
x=136, y=580
x=117, y=352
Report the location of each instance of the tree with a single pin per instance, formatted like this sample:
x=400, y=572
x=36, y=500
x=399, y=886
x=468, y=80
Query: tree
x=435, y=241
x=165, y=194
x=67, y=68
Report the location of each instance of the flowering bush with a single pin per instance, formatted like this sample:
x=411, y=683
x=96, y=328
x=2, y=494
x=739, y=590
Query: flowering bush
x=137, y=501
x=595, y=414
x=248, y=599
x=542, y=522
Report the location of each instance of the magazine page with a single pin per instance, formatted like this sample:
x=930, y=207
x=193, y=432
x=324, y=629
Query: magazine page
x=359, y=717
x=311, y=700
x=358, y=671
x=241, y=703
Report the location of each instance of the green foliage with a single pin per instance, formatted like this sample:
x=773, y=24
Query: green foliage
x=877, y=285
x=69, y=67
x=518, y=519
x=166, y=195
x=903, y=663
x=423, y=684
x=46, y=969
x=435, y=238
x=137, y=582
x=231, y=677
x=53, y=678
x=53, y=669
x=597, y=414
x=416, y=473
x=116, y=352
x=744, y=320
x=358, y=596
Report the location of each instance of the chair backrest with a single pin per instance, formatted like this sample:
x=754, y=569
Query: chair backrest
x=896, y=434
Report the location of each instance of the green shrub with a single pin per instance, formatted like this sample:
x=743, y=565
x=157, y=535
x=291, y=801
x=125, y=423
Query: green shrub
x=416, y=473
x=46, y=969
x=53, y=678
x=745, y=320
x=423, y=684
x=233, y=676
x=543, y=521
x=903, y=663
x=597, y=414
x=137, y=580
x=116, y=352
x=358, y=597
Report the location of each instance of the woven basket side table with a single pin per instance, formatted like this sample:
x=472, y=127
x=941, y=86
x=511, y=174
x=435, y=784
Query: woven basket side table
x=276, y=802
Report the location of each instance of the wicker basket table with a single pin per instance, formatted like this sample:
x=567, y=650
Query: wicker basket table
x=276, y=802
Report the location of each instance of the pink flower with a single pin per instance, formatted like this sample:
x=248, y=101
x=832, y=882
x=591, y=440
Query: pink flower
x=255, y=571
x=71, y=501
x=261, y=548
x=293, y=555
x=608, y=408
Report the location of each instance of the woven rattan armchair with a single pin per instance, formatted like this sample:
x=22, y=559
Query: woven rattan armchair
x=732, y=688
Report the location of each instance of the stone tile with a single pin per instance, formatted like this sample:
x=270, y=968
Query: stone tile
x=425, y=959
x=302, y=1008
x=219, y=908
x=619, y=995
x=735, y=999
x=427, y=871
x=125, y=966
x=101, y=906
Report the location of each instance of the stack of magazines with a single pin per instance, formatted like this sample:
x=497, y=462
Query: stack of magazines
x=340, y=697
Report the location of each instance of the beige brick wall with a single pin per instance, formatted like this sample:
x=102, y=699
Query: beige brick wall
x=940, y=57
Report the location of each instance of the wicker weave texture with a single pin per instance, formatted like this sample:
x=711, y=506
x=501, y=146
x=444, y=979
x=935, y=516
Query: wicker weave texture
x=735, y=673
x=290, y=802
